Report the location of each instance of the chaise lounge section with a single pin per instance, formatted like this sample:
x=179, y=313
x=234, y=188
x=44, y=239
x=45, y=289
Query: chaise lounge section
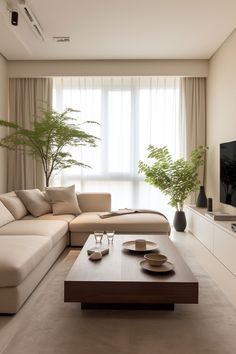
x=89, y=220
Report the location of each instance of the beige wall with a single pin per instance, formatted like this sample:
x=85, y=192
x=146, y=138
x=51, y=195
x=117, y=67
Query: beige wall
x=3, y=115
x=221, y=112
x=196, y=68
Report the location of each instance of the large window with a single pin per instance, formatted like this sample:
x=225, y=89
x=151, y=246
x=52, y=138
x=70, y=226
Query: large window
x=133, y=112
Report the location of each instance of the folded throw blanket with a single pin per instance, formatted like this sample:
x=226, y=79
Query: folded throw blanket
x=125, y=211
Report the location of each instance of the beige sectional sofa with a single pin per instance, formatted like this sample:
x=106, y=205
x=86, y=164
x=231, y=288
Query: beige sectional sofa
x=30, y=245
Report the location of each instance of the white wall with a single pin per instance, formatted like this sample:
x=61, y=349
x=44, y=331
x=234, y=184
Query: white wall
x=221, y=112
x=3, y=115
x=34, y=68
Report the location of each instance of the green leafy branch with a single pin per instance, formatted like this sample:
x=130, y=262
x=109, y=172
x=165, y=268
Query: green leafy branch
x=49, y=139
x=176, y=179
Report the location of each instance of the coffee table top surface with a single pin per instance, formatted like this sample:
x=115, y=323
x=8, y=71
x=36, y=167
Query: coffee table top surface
x=121, y=265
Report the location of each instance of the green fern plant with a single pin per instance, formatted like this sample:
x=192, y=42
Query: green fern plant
x=178, y=178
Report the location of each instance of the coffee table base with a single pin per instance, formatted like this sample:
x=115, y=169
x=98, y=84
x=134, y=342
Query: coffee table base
x=121, y=306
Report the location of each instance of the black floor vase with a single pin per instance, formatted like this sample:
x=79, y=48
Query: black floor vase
x=180, y=221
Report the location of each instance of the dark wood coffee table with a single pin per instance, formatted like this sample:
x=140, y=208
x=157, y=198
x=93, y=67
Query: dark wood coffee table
x=119, y=281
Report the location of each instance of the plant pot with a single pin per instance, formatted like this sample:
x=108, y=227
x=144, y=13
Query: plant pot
x=201, y=199
x=180, y=221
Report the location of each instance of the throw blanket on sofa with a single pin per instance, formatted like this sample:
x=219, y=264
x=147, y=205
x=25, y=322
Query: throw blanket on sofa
x=125, y=211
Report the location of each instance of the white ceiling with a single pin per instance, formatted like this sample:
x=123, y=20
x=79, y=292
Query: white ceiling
x=119, y=29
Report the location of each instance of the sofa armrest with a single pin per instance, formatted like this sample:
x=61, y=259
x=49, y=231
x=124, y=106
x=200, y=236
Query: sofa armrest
x=89, y=202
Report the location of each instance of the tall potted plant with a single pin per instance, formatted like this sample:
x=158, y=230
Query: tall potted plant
x=49, y=140
x=174, y=178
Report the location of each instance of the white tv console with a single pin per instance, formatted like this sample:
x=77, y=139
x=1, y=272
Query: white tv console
x=216, y=236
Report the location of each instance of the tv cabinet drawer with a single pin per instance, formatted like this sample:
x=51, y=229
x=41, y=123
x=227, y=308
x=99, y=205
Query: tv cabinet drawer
x=217, y=236
x=225, y=248
x=203, y=230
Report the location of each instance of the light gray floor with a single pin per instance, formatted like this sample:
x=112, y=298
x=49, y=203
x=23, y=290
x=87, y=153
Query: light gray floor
x=46, y=324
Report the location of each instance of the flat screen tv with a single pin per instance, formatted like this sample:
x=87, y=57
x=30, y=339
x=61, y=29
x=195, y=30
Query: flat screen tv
x=228, y=173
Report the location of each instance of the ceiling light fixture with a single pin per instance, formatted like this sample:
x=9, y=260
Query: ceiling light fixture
x=31, y=19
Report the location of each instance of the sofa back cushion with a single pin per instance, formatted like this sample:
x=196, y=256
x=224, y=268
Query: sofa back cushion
x=5, y=215
x=34, y=201
x=91, y=202
x=64, y=200
x=14, y=205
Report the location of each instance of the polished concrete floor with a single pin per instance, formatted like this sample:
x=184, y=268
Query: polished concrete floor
x=45, y=324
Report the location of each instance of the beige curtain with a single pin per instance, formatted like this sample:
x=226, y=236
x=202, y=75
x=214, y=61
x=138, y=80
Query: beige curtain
x=193, y=112
x=27, y=98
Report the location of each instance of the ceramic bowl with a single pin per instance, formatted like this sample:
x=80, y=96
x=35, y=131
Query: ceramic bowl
x=155, y=259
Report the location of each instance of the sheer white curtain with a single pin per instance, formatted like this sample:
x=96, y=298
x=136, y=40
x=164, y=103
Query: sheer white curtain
x=133, y=112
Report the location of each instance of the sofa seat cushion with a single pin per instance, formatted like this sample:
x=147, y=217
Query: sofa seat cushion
x=19, y=255
x=132, y=223
x=53, y=229
x=63, y=217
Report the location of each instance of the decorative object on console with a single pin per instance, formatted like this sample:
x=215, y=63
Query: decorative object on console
x=174, y=178
x=209, y=204
x=48, y=139
x=201, y=199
